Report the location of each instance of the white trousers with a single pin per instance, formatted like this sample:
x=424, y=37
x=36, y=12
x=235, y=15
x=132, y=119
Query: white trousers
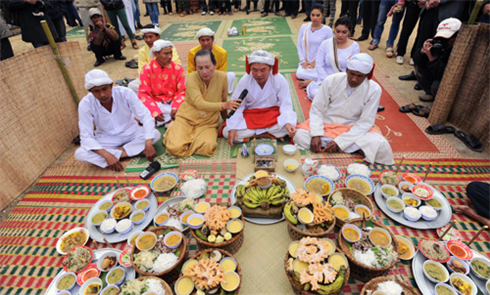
x=312, y=89
x=303, y=139
x=133, y=145
x=166, y=110
x=247, y=133
x=306, y=74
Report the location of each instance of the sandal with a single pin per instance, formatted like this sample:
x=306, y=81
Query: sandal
x=134, y=44
x=421, y=111
x=469, y=140
x=439, y=129
x=372, y=47
x=389, y=51
x=409, y=107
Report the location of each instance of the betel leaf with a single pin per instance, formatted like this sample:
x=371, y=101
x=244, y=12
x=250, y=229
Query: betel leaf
x=369, y=223
x=359, y=202
x=177, y=252
x=166, y=231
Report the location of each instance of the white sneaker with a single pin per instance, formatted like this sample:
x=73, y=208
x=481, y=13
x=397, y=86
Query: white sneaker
x=203, y=13
x=399, y=60
x=411, y=62
x=211, y=13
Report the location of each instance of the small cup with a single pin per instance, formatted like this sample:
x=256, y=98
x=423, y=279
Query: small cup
x=395, y=199
x=161, y=223
x=201, y=207
x=365, y=207
x=113, y=270
x=234, y=220
x=391, y=187
x=308, y=211
x=229, y=258
x=106, y=202
x=145, y=234
x=186, y=213
x=131, y=236
x=401, y=184
x=101, y=259
x=447, y=286
x=268, y=185
x=354, y=228
x=289, y=149
x=171, y=234
x=410, y=218
x=139, y=221
x=234, y=274
x=99, y=212
x=197, y=215
x=426, y=217
x=411, y=196
x=177, y=285
x=64, y=275
x=235, y=208
x=291, y=161
x=109, y=287
x=111, y=230
x=141, y=201
x=466, y=266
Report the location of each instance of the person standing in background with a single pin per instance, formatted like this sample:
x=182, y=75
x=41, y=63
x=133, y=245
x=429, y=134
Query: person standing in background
x=56, y=10
x=388, y=8
x=136, y=13
x=72, y=15
x=291, y=8
x=5, y=49
x=83, y=7
x=370, y=11
x=411, y=18
x=349, y=9
x=115, y=10
x=329, y=10
x=166, y=7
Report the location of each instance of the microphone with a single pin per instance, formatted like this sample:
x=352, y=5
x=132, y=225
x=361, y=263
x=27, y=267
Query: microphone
x=150, y=170
x=241, y=97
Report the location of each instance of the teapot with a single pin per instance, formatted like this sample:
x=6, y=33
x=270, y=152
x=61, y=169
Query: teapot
x=309, y=167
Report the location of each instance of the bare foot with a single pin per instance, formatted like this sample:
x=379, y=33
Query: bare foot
x=304, y=84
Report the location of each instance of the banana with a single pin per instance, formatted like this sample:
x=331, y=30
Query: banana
x=250, y=205
x=250, y=195
x=289, y=267
x=295, y=208
x=278, y=202
x=269, y=190
x=239, y=191
x=243, y=190
x=289, y=215
x=335, y=286
x=254, y=191
x=275, y=190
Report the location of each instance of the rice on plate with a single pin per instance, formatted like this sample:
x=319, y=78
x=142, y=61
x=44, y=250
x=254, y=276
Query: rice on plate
x=136, y=287
x=361, y=169
x=193, y=188
x=329, y=171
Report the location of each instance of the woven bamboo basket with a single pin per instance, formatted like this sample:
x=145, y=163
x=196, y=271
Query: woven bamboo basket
x=170, y=274
x=296, y=288
x=231, y=246
x=355, y=196
x=225, y=254
x=297, y=234
x=168, y=290
x=360, y=271
x=372, y=285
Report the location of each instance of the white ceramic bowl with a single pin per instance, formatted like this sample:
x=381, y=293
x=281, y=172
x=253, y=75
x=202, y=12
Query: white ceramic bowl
x=341, y=206
x=133, y=235
x=229, y=258
x=435, y=197
x=308, y=212
x=141, y=220
x=326, y=179
x=409, y=244
x=170, y=234
x=163, y=223
x=177, y=284
x=379, y=229
x=111, y=230
x=426, y=217
x=366, y=179
x=410, y=218
x=411, y=196
x=108, y=287
x=110, y=254
x=197, y=215
x=431, y=278
x=291, y=161
x=238, y=277
x=353, y=227
x=487, y=285
x=188, y=213
x=474, y=288
x=396, y=199
x=233, y=220
x=66, y=234
x=145, y=234
x=237, y=208
x=410, y=185
x=365, y=207
x=121, y=280
x=289, y=149
x=113, y=210
x=391, y=187
x=64, y=275
x=104, y=202
x=207, y=207
x=141, y=201
x=97, y=212
x=447, y=286
x=173, y=175
x=88, y=283
x=466, y=266
x=486, y=261
x=268, y=185
x=127, y=229
x=336, y=169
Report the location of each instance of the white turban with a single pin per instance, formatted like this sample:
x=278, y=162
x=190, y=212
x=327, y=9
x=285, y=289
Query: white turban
x=205, y=32
x=261, y=57
x=155, y=30
x=159, y=45
x=360, y=62
x=96, y=78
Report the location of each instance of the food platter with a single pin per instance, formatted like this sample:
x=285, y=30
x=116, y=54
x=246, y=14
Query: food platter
x=116, y=237
x=130, y=273
x=426, y=286
x=444, y=217
x=481, y=284
x=169, y=203
x=257, y=220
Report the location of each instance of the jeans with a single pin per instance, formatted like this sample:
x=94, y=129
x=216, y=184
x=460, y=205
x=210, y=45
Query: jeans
x=73, y=14
x=121, y=14
x=136, y=11
x=384, y=8
x=152, y=9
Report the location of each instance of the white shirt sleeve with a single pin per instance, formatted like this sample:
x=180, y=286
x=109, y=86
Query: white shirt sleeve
x=320, y=65
x=237, y=122
x=366, y=121
x=287, y=113
x=318, y=108
x=142, y=114
x=301, y=47
x=86, y=125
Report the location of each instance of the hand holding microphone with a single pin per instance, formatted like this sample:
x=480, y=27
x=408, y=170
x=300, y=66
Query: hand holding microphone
x=239, y=101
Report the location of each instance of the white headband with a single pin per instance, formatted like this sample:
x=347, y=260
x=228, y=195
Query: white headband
x=204, y=32
x=155, y=30
x=159, y=45
x=96, y=78
x=261, y=57
x=360, y=62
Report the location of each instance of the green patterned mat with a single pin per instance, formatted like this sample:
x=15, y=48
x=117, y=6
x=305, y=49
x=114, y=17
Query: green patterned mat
x=76, y=32
x=186, y=31
x=258, y=27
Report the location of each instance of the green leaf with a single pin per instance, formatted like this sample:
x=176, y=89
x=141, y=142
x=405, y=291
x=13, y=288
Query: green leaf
x=177, y=252
x=166, y=231
x=359, y=202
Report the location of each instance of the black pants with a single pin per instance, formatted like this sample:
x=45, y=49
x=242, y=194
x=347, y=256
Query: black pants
x=248, y=4
x=409, y=22
x=224, y=6
x=267, y=5
x=59, y=25
x=428, y=82
x=207, y=7
x=350, y=7
x=291, y=7
x=114, y=48
x=370, y=11
x=6, y=49
x=429, y=20
x=236, y=3
x=308, y=5
x=479, y=194
x=166, y=6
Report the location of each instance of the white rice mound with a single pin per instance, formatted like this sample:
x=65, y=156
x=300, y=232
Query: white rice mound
x=164, y=261
x=390, y=288
x=193, y=188
x=368, y=258
x=155, y=286
x=358, y=169
x=328, y=171
x=175, y=223
x=123, y=225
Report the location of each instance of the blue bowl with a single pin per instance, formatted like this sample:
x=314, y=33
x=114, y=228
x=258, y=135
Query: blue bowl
x=362, y=177
x=328, y=180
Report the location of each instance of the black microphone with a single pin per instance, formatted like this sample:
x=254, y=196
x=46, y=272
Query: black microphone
x=241, y=97
x=150, y=170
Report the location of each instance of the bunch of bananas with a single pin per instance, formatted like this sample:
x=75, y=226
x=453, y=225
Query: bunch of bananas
x=254, y=196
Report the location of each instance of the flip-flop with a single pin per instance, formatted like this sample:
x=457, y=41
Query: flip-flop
x=408, y=108
x=439, y=129
x=469, y=140
x=421, y=111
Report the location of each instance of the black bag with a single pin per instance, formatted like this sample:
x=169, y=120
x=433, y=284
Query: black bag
x=10, y=16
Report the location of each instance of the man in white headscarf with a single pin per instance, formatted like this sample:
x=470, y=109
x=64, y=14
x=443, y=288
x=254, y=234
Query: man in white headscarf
x=267, y=109
x=117, y=135
x=343, y=112
x=206, y=41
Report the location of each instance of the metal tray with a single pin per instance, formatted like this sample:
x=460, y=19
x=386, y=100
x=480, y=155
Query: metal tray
x=444, y=217
x=258, y=220
x=117, y=237
x=165, y=205
x=427, y=287
x=130, y=273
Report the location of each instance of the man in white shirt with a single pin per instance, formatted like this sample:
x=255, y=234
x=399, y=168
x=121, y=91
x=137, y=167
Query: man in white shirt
x=267, y=109
x=117, y=134
x=343, y=112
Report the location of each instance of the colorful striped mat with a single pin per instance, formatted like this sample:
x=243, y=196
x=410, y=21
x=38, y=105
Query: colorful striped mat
x=28, y=256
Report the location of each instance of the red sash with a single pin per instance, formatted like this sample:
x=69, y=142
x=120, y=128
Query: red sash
x=258, y=118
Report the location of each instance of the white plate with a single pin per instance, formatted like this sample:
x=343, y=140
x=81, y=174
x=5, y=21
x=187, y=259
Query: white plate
x=444, y=217
x=426, y=286
x=130, y=273
x=169, y=203
x=116, y=237
x=258, y=220
x=264, y=149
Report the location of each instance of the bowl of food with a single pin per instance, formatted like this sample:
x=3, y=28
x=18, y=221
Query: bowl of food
x=105, y=205
x=98, y=217
x=428, y=213
x=78, y=260
x=146, y=241
x=434, y=250
x=411, y=214
x=108, y=226
x=305, y=216
x=194, y=188
x=142, y=205
x=66, y=281
x=91, y=272
x=189, y=175
x=359, y=169
x=139, y=192
x=319, y=184
x=124, y=226
x=115, y=276
x=410, y=200
x=264, y=182
x=329, y=171
x=341, y=212
x=121, y=195
x=291, y=165
x=463, y=284
x=132, y=238
x=480, y=267
x=185, y=216
x=444, y=289
x=231, y=282
x=351, y=233
x=289, y=149
x=121, y=210
x=422, y=192
x=201, y=207
x=161, y=218
x=435, y=203
x=380, y=237
x=107, y=261
x=91, y=287
x=235, y=212
x=228, y=264
x=388, y=190
x=124, y=258
x=362, y=209
x=110, y=290
x=395, y=205
x=173, y=239
x=337, y=260
x=411, y=177
x=75, y=237
x=360, y=183
x=234, y=226
x=184, y=286
x=389, y=177
x=456, y=264
x=405, y=187
x=487, y=285
x=435, y=272
x=164, y=182
x=452, y=234
x=195, y=221
x=406, y=247
x=137, y=217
